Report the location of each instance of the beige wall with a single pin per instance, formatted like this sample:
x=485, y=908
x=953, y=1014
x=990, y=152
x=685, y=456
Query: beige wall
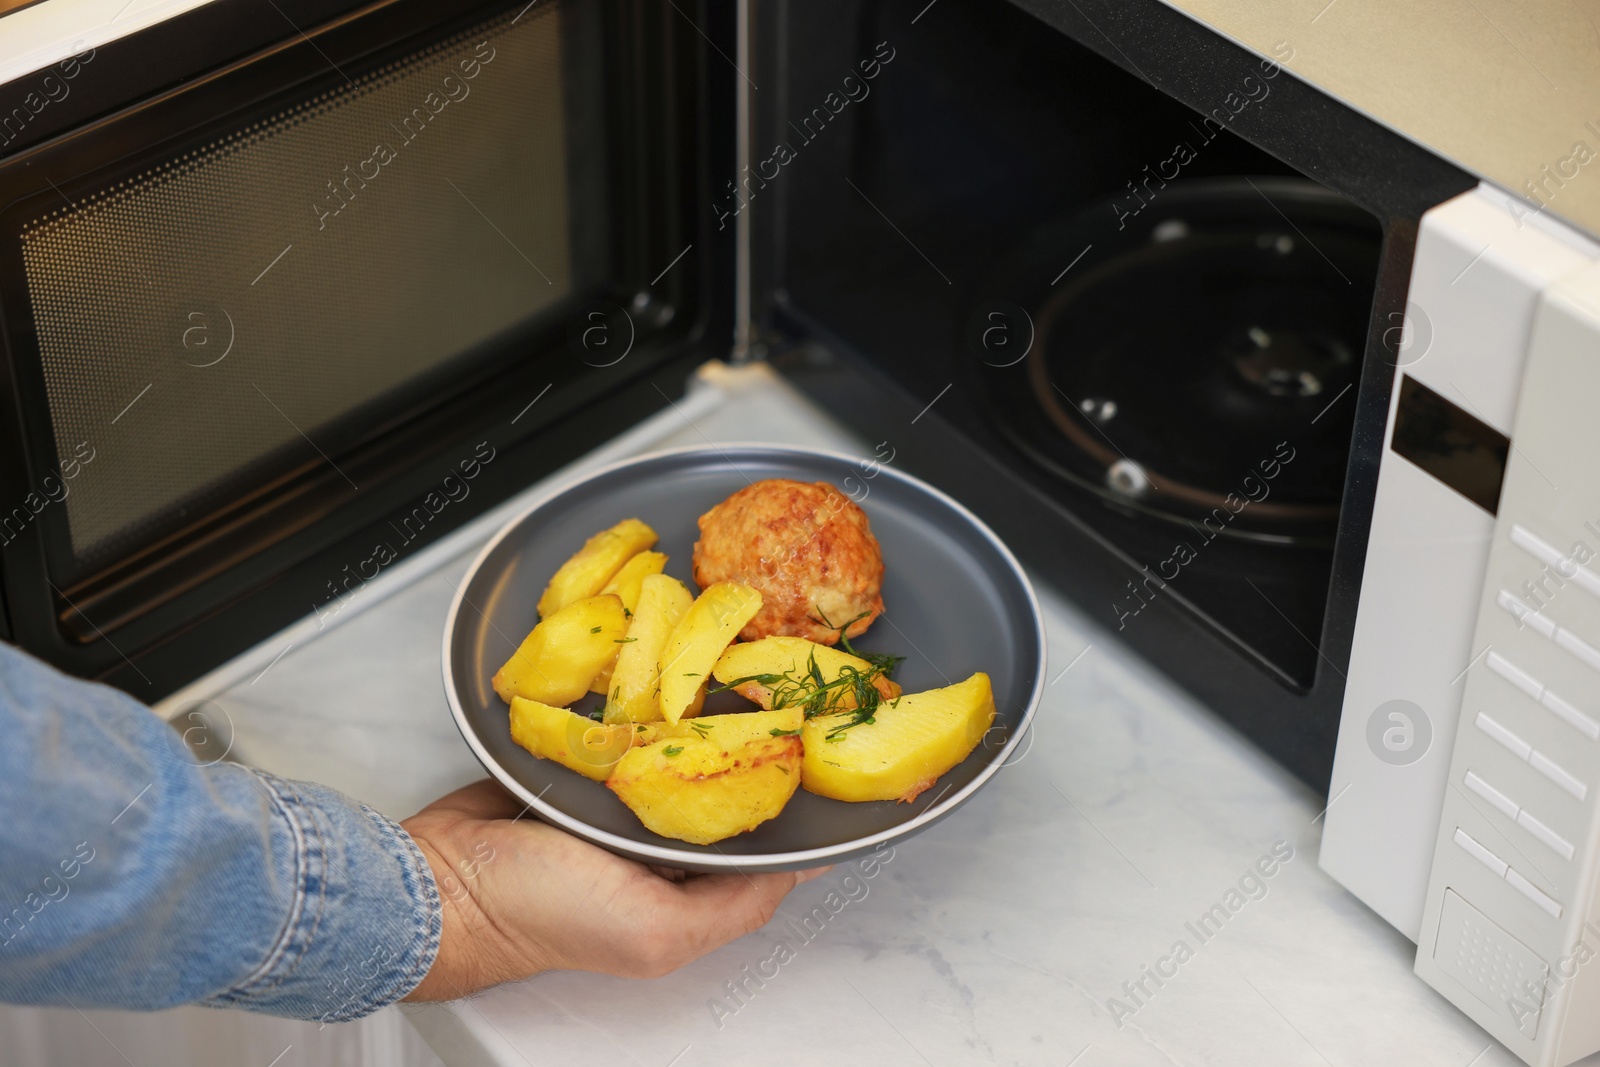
x=1504, y=88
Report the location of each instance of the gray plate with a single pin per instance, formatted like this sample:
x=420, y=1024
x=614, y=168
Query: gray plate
x=957, y=602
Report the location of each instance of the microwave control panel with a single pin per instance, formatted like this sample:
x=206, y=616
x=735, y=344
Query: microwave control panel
x=1510, y=932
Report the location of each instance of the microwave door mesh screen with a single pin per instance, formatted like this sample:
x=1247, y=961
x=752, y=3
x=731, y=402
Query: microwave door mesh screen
x=214, y=320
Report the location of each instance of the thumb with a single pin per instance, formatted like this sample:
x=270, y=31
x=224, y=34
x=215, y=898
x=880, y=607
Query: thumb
x=483, y=799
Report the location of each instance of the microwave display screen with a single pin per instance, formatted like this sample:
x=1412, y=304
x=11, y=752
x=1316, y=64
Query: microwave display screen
x=258, y=301
x=1460, y=450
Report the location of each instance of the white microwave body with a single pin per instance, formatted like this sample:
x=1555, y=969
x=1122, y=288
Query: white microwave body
x=1466, y=784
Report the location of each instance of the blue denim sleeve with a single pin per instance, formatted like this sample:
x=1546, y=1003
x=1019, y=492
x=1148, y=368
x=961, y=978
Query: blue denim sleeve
x=134, y=875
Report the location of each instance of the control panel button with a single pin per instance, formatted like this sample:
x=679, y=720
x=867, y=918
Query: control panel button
x=1569, y=569
x=1544, y=835
x=1557, y=774
x=1488, y=792
x=1526, y=614
x=1529, y=616
x=1578, y=647
x=1510, y=740
x=1470, y=845
x=1533, y=893
x=1519, y=815
x=1515, y=675
x=1537, y=760
x=1562, y=710
x=1537, y=690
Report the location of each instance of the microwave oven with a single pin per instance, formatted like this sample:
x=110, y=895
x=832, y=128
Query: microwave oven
x=1289, y=401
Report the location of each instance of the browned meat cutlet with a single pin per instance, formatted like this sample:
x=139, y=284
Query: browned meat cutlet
x=806, y=548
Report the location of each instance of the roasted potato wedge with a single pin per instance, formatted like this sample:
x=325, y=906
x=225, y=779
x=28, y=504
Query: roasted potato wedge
x=602, y=684
x=663, y=602
x=556, y=662
x=572, y=740
x=696, y=790
x=776, y=671
x=595, y=564
x=698, y=641
x=906, y=745
x=627, y=581
x=729, y=731
x=626, y=585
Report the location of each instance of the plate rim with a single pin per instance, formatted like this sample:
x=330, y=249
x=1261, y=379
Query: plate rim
x=668, y=855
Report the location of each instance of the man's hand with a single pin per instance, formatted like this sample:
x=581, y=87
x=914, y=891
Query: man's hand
x=522, y=897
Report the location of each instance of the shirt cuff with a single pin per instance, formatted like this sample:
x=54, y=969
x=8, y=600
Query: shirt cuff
x=364, y=918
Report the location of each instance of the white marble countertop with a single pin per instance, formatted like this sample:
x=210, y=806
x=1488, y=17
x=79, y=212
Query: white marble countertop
x=999, y=936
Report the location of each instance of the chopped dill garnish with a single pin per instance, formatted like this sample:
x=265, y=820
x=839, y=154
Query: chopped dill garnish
x=806, y=688
x=625, y=640
x=858, y=717
x=701, y=728
x=672, y=750
x=783, y=733
x=594, y=629
x=877, y=659
x=854, y=691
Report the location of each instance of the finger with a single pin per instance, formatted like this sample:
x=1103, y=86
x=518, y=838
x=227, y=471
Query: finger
x=750, y=889
x=713, y=909
x=801, y=877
